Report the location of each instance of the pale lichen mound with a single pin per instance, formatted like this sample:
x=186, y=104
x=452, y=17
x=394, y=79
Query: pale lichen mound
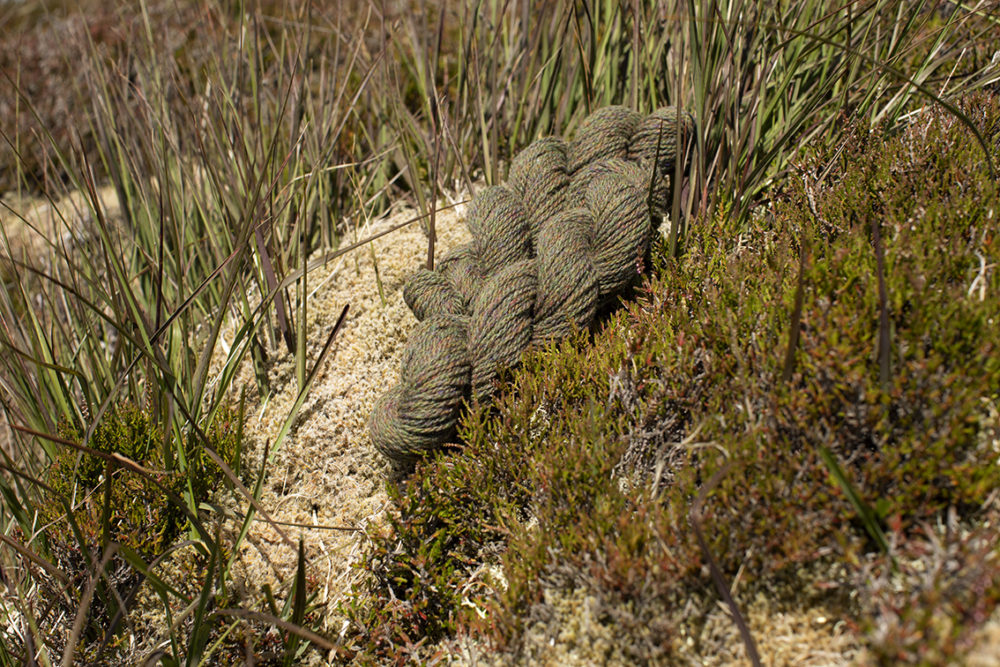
x=326, y=473
x=325, y=483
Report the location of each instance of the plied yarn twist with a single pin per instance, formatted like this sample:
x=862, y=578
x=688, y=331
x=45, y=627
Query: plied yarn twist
x=565, y=236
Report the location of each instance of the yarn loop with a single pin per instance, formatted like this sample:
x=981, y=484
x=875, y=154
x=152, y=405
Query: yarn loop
x=564, y=237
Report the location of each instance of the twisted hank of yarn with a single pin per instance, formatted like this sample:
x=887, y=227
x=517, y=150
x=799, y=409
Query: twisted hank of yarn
x=564, y=237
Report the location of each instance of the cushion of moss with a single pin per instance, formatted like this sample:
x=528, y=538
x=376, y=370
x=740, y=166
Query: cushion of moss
x=584, y=471
x=140, y=513
x=142, y=516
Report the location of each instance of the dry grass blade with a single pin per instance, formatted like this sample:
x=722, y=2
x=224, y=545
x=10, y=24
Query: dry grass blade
x=272, y=285
x=311, y=526
x=333, y=254
x=36, y=559
x=235, y=480
x=304, y=633
x=113, y=457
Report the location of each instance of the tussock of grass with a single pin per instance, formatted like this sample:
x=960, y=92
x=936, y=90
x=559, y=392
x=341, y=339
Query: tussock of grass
x=587, y=468
x=90, y=503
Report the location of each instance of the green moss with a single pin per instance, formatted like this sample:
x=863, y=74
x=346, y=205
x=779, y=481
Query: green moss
x=138, y=511
x=585, y=471
x=142, y=516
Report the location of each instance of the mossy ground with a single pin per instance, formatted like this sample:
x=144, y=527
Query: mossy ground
x=604, y=456
x=91, y=503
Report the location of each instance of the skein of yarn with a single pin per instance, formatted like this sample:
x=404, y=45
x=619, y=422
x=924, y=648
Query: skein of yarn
x=565, y=236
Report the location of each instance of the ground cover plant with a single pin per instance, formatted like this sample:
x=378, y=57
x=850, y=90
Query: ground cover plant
x=752, y=412
x=241, y=140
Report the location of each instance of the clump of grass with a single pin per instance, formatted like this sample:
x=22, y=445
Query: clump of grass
x=588, y=468
x=130, y=309
x=46, y=51
x=91, y=502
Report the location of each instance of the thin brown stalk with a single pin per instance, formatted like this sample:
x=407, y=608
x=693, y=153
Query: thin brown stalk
x=718, y=579
x=796, y=323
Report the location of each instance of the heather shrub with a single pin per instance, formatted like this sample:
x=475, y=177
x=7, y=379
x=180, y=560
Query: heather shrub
x=813, y=381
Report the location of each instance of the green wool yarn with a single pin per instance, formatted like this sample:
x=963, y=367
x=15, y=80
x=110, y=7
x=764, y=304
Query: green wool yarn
x=564, y=237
